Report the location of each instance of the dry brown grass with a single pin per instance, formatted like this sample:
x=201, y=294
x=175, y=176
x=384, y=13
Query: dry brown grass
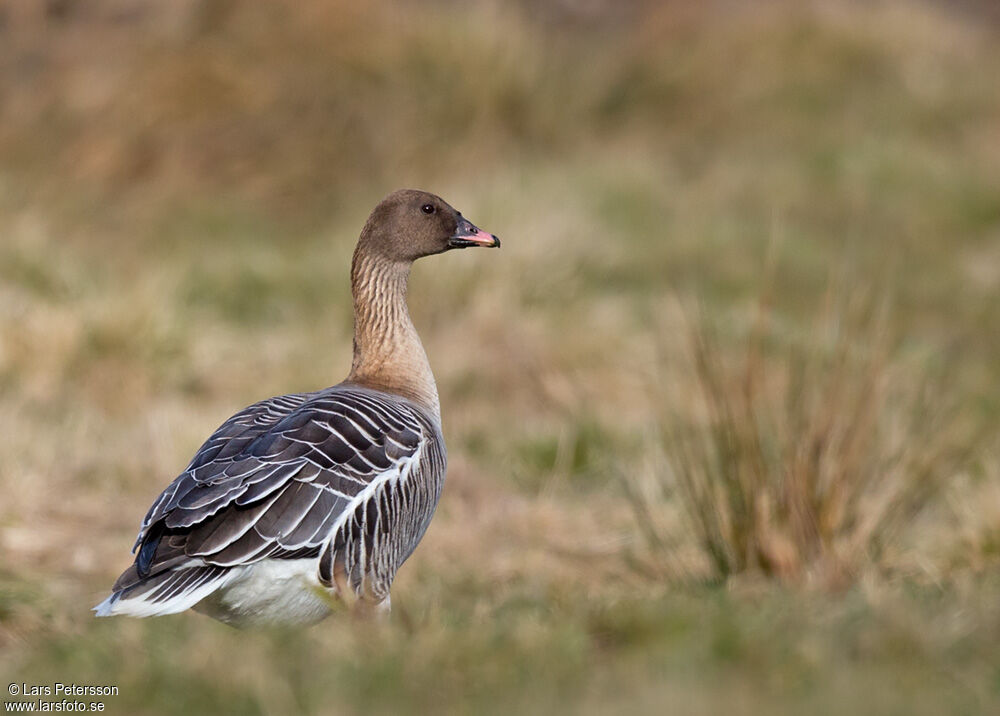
x=180, y=189
x=800, y=454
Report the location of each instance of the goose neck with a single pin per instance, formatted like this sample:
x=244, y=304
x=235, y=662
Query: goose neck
x=388, y=354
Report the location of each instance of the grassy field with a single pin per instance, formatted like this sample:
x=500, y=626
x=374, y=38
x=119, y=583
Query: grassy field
x=723, y=414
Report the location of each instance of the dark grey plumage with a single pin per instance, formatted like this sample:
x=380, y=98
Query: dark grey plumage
x=280, y=477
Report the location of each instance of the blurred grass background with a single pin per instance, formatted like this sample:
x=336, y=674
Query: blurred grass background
x=665, y=362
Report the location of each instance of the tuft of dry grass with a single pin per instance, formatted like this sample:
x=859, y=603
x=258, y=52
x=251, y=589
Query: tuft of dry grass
x=799, y=455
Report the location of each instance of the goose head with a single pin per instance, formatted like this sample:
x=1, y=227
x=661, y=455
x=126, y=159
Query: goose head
x=410, y=224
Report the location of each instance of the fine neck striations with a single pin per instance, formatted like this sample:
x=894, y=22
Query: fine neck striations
x=388, y=354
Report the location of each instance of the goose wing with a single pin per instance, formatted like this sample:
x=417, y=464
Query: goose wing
x=275, y=480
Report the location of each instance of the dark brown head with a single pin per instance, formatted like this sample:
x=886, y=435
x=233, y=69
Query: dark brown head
x=409, y=224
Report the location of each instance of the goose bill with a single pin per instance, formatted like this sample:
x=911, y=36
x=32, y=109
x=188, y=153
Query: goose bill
x=466, y=234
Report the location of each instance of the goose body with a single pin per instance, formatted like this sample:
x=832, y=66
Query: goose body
x=303, y=499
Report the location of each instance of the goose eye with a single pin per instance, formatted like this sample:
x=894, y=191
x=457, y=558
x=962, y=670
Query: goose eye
x=428, y=208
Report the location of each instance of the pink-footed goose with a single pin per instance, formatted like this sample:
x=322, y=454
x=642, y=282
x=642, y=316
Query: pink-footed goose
x=313, y=492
